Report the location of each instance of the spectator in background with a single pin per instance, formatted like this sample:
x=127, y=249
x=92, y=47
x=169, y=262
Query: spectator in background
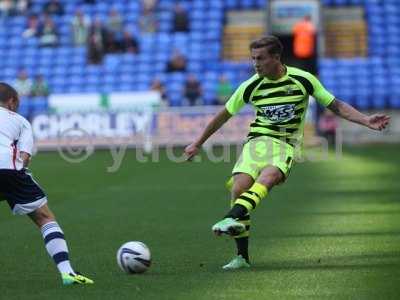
x=177, y=63
x=148, y=22
x=22, y=6
x=53, y=7
x=129, y=44
x=304, y=44
x=40, y=87
x=48, y=35
x=23, y=84
x=327, y=126
x=181, y=20
x=80, y=28
x=96, y=42
x=114, y=28
x=224, y=90
x=114, y=23
x=149, y=4
x=6, y=8
x=158, y=86
x=33, y=27
x=193, y=91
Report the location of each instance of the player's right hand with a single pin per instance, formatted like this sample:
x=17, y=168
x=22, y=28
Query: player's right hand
x=378, y=121
x=191, y=151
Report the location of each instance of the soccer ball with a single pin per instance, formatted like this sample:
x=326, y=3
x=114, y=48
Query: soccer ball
x=134, y=257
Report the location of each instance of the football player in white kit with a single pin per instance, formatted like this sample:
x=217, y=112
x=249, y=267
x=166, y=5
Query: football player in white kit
x=18, y=188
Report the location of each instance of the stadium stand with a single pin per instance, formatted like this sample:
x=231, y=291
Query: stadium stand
x=66, y=70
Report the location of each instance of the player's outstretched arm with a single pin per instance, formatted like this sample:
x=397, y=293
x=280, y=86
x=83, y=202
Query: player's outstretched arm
x=215, y=124
x=348, y=112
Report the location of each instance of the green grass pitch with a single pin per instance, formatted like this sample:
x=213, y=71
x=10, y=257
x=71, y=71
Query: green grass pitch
x=331, y=232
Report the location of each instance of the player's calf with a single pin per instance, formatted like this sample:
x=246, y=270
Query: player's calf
x=56, y=245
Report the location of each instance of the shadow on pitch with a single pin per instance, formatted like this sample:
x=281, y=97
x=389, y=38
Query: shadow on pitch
x=350, y=262
x=335, y=234
x=349, y=213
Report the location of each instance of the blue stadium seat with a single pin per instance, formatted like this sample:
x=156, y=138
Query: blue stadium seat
x=126, y=87
x=73, y=89
x=198, y=15
x=199, y=5
x=362, y=103
x=38, y=104
x=91, y=88
x=175, y=100
x=24, y=109
x=394, y=101
x=109, y=79
x=107, y=88
x=194, y=66
x=75, y=80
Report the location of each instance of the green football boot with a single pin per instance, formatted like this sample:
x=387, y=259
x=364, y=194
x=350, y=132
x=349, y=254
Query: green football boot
x=69, y=279
x=228, y=226
x=238, y=262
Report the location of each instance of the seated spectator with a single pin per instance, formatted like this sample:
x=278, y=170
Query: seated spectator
x=224, y=90
x=53, y=7
x=6, y=8
x=157, y=85
x=177, y=63
x=96, y=42
x=327, y=126
x=114, y=29
x=80, y=28
x=149, y=4
x=148, y=21
x=181, y=20
x=114, y=23
x=193, y=91
x=33, y=27
x=129, y=44
x=22, y=6
x=40, y=87
x=48, y=34
x=23, y=84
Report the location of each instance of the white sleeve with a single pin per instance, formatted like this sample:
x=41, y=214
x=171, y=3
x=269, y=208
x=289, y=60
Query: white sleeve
x=25, y=140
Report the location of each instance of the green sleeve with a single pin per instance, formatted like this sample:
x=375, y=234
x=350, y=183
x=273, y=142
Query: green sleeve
x=236, y=101
x=322, y=96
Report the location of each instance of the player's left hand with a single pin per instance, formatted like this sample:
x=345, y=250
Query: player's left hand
x=378, y=121
x=191, y=151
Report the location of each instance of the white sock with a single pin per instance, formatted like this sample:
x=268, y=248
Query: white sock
x=56, y=246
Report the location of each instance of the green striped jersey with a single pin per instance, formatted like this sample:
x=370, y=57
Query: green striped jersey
x=280, y=105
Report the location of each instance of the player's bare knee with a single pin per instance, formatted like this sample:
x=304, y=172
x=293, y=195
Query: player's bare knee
x=42, y=216
x=242, y=182
x=237, y=190
x=270, y=177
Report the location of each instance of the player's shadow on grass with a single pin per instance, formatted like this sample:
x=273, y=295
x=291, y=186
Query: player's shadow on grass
x=349, y=213
x=335, y=234
x=349, y=262
x=382, y=195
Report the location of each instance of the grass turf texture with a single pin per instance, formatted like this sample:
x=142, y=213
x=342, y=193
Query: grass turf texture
x=332, y=231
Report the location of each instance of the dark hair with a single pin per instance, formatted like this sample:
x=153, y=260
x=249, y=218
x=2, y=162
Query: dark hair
x=271, y=42
x=7, y=92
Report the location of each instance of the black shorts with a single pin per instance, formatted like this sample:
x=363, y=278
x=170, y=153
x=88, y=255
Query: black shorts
x=21, y=192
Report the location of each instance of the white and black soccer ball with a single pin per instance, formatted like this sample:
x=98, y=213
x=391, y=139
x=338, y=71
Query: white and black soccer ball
x=134, y=257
